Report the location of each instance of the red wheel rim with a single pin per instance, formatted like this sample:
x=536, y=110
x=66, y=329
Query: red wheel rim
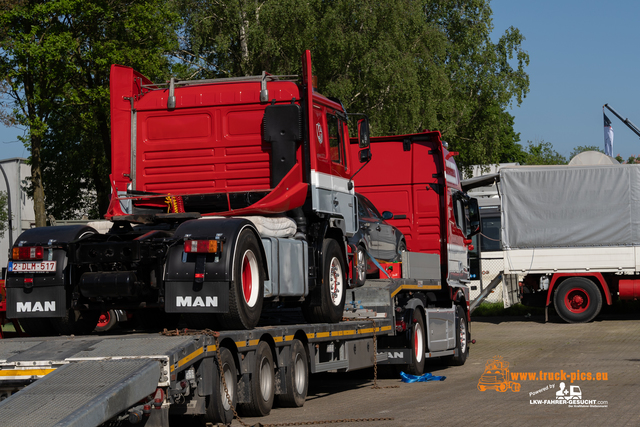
x=418, y=343
x=104, y=319
x=247, y=282
x=249, y=277
x=576, y=300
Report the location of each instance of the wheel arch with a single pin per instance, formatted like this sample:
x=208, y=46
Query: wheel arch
x=231, y=229
x=597, y=278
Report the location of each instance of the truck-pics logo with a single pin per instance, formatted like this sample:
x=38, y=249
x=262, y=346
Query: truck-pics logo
x=496, y=376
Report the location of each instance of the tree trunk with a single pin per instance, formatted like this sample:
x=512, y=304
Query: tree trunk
x=244, y=46
x=36, y=178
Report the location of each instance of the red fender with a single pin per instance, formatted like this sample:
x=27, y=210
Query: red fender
x=597, y=276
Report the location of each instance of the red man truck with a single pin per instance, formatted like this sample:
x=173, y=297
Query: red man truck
x=231, y=197
x=415, y=178
x=225, y=192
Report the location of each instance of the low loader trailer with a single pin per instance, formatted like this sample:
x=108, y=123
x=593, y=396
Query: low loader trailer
x=232, y=207
x=198, y=377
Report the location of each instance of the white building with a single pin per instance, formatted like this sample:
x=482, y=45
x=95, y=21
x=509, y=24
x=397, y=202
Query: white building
x=20, y=205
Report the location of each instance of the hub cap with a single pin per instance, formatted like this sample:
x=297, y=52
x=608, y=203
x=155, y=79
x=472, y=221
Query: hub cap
x=336, y=281
x=418, y=340
x=577, y=300
x=250, y=277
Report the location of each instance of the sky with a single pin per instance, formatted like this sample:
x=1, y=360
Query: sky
x=583, y=53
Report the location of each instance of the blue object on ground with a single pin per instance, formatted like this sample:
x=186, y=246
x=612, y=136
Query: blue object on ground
x=408, y=378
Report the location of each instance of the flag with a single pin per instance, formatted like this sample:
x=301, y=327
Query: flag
x=608, y=136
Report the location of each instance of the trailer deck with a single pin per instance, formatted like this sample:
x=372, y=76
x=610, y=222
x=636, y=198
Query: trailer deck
x=88, y=380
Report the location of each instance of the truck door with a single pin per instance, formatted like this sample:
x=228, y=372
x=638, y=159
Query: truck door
x=330, y=181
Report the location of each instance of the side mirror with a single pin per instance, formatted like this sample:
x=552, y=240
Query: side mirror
x=365, y=155
x=386, y=215
x=474, y=217
x=363, y=133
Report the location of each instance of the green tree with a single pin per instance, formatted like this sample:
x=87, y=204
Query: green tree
x=485, y=78
x=542, y=153
x=55, y=58
x=408, y=65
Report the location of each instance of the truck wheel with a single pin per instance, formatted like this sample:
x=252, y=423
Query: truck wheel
x=331, y=292
x=247, y=289
x=360, y=276
x=462, y=339
x=106, y=321
x=76, y=322
x=262, y=384
x=218, y=407
x=297, y=377
x=418, y=346
x=578, y=300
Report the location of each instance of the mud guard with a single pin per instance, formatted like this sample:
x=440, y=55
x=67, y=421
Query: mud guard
x=43, y=294
x=184, y=293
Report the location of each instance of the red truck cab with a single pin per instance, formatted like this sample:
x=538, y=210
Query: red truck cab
x=416, y=178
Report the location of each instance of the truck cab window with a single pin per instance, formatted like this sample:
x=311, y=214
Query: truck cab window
x=336, y=140
x=458, y=212
x=490, y=240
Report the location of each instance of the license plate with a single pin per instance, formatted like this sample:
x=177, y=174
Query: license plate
x=32, y=267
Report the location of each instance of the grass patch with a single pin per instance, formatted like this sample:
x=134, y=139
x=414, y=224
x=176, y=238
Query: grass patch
x=491, y=309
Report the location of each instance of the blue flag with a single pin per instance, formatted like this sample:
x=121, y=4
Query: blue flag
x=608, y=136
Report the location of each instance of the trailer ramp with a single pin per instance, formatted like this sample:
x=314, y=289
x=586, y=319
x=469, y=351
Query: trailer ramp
x=82, y=393
x=486, y=291
x=86, y=381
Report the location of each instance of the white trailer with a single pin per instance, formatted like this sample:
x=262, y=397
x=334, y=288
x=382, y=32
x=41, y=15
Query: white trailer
x=572, y=235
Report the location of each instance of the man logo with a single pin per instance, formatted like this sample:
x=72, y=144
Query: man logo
x=28, y=307
x=196, y=302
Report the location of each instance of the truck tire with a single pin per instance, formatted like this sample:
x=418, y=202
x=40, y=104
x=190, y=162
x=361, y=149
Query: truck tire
x=418, y=345
x=218, y=408
x=462, y=339
x=262, y=385
x=106, y=321
x=325, y=303
x=578, y=300
x=247, y=288
x=296, y=378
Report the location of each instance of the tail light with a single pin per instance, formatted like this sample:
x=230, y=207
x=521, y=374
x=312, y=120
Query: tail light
x=26, y=253
x=202, y=246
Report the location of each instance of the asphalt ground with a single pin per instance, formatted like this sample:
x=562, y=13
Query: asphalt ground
x=609, y=345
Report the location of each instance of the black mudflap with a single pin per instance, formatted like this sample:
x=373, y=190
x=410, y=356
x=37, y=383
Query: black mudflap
x=188, y=297
x=41, y=301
